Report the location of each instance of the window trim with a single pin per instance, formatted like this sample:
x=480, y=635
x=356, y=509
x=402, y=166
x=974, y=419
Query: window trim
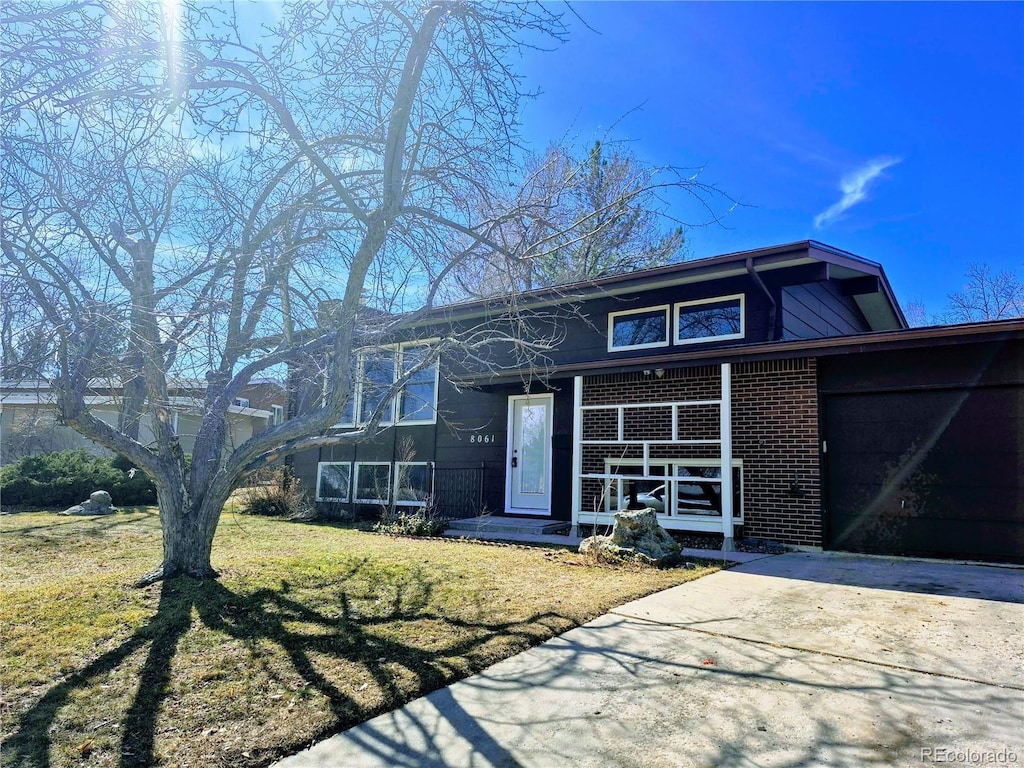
x=276, y=414
x=355, y=486
x=671, y=465
x=712, y=300
x=400, y=398
x=397, y=474
x=612, y=316
x=319, y=470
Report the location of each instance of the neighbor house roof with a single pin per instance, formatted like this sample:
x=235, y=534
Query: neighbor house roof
x=47, y=398
x=28, y=392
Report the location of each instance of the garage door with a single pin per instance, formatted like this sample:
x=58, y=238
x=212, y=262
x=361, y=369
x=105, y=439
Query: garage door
x=932, y=473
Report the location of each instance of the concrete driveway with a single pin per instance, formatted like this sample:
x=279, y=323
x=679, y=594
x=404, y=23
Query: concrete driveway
x=794, y=660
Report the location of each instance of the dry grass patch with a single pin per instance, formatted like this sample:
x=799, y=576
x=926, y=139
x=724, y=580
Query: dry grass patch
x=311, y=629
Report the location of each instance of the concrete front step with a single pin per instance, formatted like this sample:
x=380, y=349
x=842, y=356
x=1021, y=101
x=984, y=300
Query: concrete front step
x=490, y=524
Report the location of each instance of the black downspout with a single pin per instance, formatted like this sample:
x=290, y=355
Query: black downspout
x=773, y=332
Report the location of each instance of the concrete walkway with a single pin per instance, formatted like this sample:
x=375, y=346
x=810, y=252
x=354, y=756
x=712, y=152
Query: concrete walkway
x=794, y=660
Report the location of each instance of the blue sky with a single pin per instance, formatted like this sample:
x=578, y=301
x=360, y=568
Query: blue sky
x=895, y=131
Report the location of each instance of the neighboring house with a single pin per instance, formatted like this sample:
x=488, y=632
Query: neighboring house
x=28, y=422
x=792, y=365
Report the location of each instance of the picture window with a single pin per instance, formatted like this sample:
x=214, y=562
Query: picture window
x=710, y=320
x=373, y=483
x=333, y=481
x=638, y=329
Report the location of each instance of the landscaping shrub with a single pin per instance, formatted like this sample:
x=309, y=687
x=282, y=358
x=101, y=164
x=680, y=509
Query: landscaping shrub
x=64, y=478
x=273, y=494
x=420, y=522
x=134, y=488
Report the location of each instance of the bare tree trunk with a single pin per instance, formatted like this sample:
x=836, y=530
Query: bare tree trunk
x=129, y=417
x=187, y=535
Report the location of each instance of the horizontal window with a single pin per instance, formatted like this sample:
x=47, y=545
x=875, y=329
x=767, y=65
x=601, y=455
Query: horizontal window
x=709, y=320
x=373, y=482
x=677, y=487
x=638, y=329
x=333, y=481
x=412, y=484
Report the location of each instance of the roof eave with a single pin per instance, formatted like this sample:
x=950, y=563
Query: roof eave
x=699, y=270
x=904, y=338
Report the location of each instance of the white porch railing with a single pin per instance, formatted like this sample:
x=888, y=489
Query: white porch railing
x=676, y=407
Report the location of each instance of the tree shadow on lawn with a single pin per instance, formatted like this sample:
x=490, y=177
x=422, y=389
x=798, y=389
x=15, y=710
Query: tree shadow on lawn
x=88, y=525
x=265, y=616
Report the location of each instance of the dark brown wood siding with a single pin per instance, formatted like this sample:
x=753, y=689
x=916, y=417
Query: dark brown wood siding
x=470, y=437
x=819, y=310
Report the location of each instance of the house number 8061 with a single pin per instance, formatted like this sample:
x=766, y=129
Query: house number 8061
x=481, y=438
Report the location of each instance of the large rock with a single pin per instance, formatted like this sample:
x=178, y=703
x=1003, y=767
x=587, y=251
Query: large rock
x=101, y=498
x=636, y=535
x=99, y=503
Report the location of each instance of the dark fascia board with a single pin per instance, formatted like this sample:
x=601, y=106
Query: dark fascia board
x=907, y=338
x=763, y=260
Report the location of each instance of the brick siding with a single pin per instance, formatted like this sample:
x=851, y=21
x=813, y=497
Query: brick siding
x=774, y=431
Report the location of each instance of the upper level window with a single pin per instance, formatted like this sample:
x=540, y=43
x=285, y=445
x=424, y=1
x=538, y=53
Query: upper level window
x=710, y=320
x=374, y=374
x=242, y=402
x=638, y=329
x=418, y=400
x=348, y=416
x=276, y=414
x=377, y=374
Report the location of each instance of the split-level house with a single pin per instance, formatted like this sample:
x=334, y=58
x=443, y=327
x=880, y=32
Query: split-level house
x=792, y=366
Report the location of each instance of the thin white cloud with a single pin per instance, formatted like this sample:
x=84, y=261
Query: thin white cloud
x=854, y=187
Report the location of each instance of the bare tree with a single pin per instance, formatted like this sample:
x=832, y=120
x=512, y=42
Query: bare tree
x=583, y=217
x=214, y=183
x=917, y=314
x=986, y=296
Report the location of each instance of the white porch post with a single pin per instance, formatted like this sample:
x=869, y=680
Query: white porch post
x=725, y=434
x=577, y=452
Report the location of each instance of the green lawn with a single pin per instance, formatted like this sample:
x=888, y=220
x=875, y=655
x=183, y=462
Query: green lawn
x=309, y=630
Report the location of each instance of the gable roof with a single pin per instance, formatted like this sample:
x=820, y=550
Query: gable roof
x=877, y=301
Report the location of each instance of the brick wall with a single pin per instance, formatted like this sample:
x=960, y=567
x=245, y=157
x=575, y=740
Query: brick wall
x=774, y=429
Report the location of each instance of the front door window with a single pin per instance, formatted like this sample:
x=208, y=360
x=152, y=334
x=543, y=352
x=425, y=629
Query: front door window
x=530, y=454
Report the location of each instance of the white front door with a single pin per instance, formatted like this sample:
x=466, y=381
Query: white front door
x=528, y=477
